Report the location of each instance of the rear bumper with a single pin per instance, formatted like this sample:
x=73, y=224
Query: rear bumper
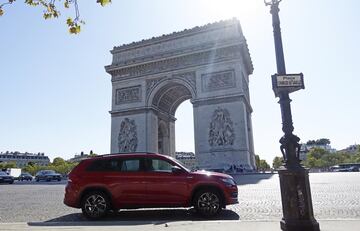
x=71, y=197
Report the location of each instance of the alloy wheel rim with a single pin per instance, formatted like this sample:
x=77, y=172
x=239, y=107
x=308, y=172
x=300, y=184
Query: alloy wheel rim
x=208, y=203
x=95, y=205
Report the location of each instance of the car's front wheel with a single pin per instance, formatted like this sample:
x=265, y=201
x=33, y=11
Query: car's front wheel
x=95, y=205
x=208, y=203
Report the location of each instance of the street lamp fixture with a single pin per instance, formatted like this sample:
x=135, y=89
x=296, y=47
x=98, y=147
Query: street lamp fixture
x=294, y=178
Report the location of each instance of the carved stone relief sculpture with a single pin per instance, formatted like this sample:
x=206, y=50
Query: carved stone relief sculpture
x=221, y=131
x=218, y=80
x=128, y=95
x=127, y=140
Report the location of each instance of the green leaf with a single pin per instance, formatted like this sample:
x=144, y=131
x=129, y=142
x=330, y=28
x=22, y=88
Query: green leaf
x=56, y=14
x=103, y=2
x=69, y=22
x=47, y=15
x=66, y=4
x=74, y=29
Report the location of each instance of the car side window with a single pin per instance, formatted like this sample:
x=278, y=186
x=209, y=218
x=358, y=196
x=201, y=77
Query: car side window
x=130, y=165
x=106, y=165
x=158, y=165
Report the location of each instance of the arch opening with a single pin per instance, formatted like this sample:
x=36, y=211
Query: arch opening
x=170, y=96
x=166, y=100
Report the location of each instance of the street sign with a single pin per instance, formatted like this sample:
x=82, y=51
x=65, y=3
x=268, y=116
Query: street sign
x=287, y=83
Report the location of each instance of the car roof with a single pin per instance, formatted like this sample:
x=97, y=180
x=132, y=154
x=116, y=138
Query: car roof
x=126, y=155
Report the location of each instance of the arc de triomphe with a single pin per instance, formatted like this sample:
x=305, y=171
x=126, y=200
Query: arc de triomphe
x=210, y=65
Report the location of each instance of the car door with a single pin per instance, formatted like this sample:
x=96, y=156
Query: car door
x=126, y=182
x=163, y=186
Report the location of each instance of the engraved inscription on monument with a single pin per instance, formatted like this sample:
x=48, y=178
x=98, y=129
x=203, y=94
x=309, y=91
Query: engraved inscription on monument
x=128, y=95
x=218, y=80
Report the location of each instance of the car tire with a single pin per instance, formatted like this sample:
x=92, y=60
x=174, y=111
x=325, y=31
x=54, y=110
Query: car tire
x=11, y=182
x=95, y=205
x=208, y=203
x=37, y=179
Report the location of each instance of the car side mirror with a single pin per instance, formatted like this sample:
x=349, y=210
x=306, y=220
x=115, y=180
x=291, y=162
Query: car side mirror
x=176, y=169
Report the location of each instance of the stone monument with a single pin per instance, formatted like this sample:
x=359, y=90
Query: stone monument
x=210, y=65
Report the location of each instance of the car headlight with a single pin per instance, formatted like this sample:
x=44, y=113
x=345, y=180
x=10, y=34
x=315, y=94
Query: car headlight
x=228, y=181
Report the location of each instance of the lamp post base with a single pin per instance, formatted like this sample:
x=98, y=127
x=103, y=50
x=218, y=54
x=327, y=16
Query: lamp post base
x=299, y=226
x=296, y=200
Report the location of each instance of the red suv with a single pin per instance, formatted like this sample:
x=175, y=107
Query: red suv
x=123, y=181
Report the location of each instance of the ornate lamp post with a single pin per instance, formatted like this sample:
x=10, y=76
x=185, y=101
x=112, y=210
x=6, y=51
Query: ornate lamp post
x=294, y=178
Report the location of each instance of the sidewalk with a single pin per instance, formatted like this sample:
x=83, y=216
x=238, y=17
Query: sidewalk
x=325, y=225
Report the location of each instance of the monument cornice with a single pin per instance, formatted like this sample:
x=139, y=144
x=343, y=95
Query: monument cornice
x=221, y=99
x=141, y=110
x=176, y=35
x=186, y=42
x=219, y=54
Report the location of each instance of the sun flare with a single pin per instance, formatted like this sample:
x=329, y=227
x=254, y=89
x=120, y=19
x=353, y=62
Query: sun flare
x=225, y=9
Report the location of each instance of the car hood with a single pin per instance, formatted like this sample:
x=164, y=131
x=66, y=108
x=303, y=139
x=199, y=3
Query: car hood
x=209, y=173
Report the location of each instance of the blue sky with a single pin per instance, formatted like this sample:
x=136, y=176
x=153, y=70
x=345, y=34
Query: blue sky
x=55, y=94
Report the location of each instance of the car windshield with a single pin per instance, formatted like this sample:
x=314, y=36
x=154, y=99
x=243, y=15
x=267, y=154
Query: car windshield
x=179, y=163
x=3, y=174
x=49, y=172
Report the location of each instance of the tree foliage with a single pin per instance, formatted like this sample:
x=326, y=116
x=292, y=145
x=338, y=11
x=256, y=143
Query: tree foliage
x=58, y=161
x=277, y=162
x=58, y=165
x=51, y=10
x=264, y=165
x=322, y=141
x=261, y=165
x=10, y=164
x=320, y=158
x=257, y=161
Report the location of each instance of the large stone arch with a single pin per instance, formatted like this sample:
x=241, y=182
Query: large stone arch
x=209, y=65
x=177, y=89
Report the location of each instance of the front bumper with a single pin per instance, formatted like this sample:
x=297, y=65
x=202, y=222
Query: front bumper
x=232, y=195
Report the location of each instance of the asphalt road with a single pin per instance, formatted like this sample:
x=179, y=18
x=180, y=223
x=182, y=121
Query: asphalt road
x=335, y=196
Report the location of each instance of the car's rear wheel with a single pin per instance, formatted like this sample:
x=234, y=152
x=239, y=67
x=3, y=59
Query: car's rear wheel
x=95, y=205
x=208, y=203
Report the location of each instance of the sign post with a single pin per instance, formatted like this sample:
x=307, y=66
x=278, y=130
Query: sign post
x=294, y=178
x=287, y=83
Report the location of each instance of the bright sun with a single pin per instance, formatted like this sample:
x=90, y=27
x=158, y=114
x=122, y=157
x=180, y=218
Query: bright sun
x=225, y=9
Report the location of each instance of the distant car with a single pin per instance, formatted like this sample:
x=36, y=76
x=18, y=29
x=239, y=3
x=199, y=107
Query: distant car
x=47, y=175
x=5, y=178
x=25, y=176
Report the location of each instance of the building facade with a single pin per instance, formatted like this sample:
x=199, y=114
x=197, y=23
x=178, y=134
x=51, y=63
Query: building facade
x=23, y=159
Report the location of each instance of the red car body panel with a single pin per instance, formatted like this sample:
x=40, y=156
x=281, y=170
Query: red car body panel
x=144, y=188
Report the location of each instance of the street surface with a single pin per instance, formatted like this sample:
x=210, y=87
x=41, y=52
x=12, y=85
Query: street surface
x=335, y=196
